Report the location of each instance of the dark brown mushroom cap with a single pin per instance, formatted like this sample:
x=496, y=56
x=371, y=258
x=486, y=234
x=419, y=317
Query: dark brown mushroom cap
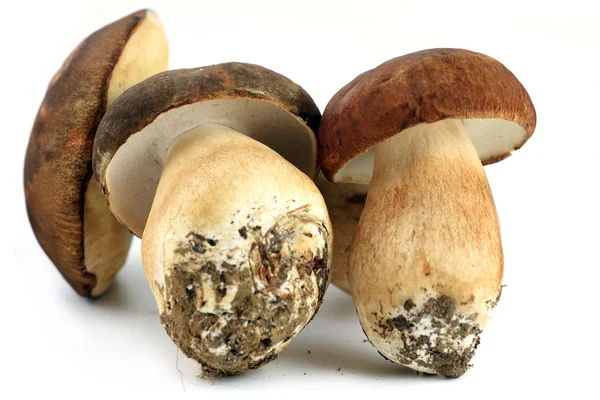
x=140, y=105
x=422, y=87
x=58, y=161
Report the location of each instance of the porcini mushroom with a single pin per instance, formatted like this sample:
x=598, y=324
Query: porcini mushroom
x=66, y=209
x=212, y=167
x=425, y=265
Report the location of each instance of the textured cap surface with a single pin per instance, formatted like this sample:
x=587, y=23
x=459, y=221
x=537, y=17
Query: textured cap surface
x=422, y=87
x=140, y=105
x=59, y=154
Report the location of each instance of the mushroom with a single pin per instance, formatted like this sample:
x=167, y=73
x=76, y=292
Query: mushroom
x=345, y=203
x=66, y=209
x=213, y=168
x=425, y=265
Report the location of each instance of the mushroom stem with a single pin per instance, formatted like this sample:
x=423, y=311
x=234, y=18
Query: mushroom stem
x=345, y=202
x=236, y=249
x=426, y=263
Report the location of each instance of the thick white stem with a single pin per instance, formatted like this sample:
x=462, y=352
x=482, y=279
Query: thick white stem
x=425, y=266
x=236, y=249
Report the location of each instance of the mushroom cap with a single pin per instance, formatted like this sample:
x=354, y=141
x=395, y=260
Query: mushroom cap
x=424, y=87
x=134, y=136
x=58, y=161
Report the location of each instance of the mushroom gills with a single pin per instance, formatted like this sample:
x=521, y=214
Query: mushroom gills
x=145, y=54
x=137, y=166
x=236, y=248
x=105, y=241
x=426, y=262
x=493, y=138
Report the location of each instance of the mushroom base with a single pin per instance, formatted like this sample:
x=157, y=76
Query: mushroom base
x=236, y=249
x=235, y=316
x=434, y=337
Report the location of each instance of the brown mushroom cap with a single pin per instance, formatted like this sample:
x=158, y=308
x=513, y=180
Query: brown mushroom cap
x=425, y=87
x=58, y=161
x=133, y=137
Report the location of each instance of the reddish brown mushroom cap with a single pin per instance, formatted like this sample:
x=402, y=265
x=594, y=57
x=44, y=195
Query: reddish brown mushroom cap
x=422, y=87
x=58, y=161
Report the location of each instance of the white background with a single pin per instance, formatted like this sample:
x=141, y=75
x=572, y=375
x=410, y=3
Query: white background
x=543, y=339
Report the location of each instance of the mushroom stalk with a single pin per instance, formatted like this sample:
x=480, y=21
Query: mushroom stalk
x=426, y=263
x=345, y=202
x=235, y=249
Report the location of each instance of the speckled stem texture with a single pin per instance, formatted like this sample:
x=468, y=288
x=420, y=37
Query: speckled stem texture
x=236, y=249
x=426, y=263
